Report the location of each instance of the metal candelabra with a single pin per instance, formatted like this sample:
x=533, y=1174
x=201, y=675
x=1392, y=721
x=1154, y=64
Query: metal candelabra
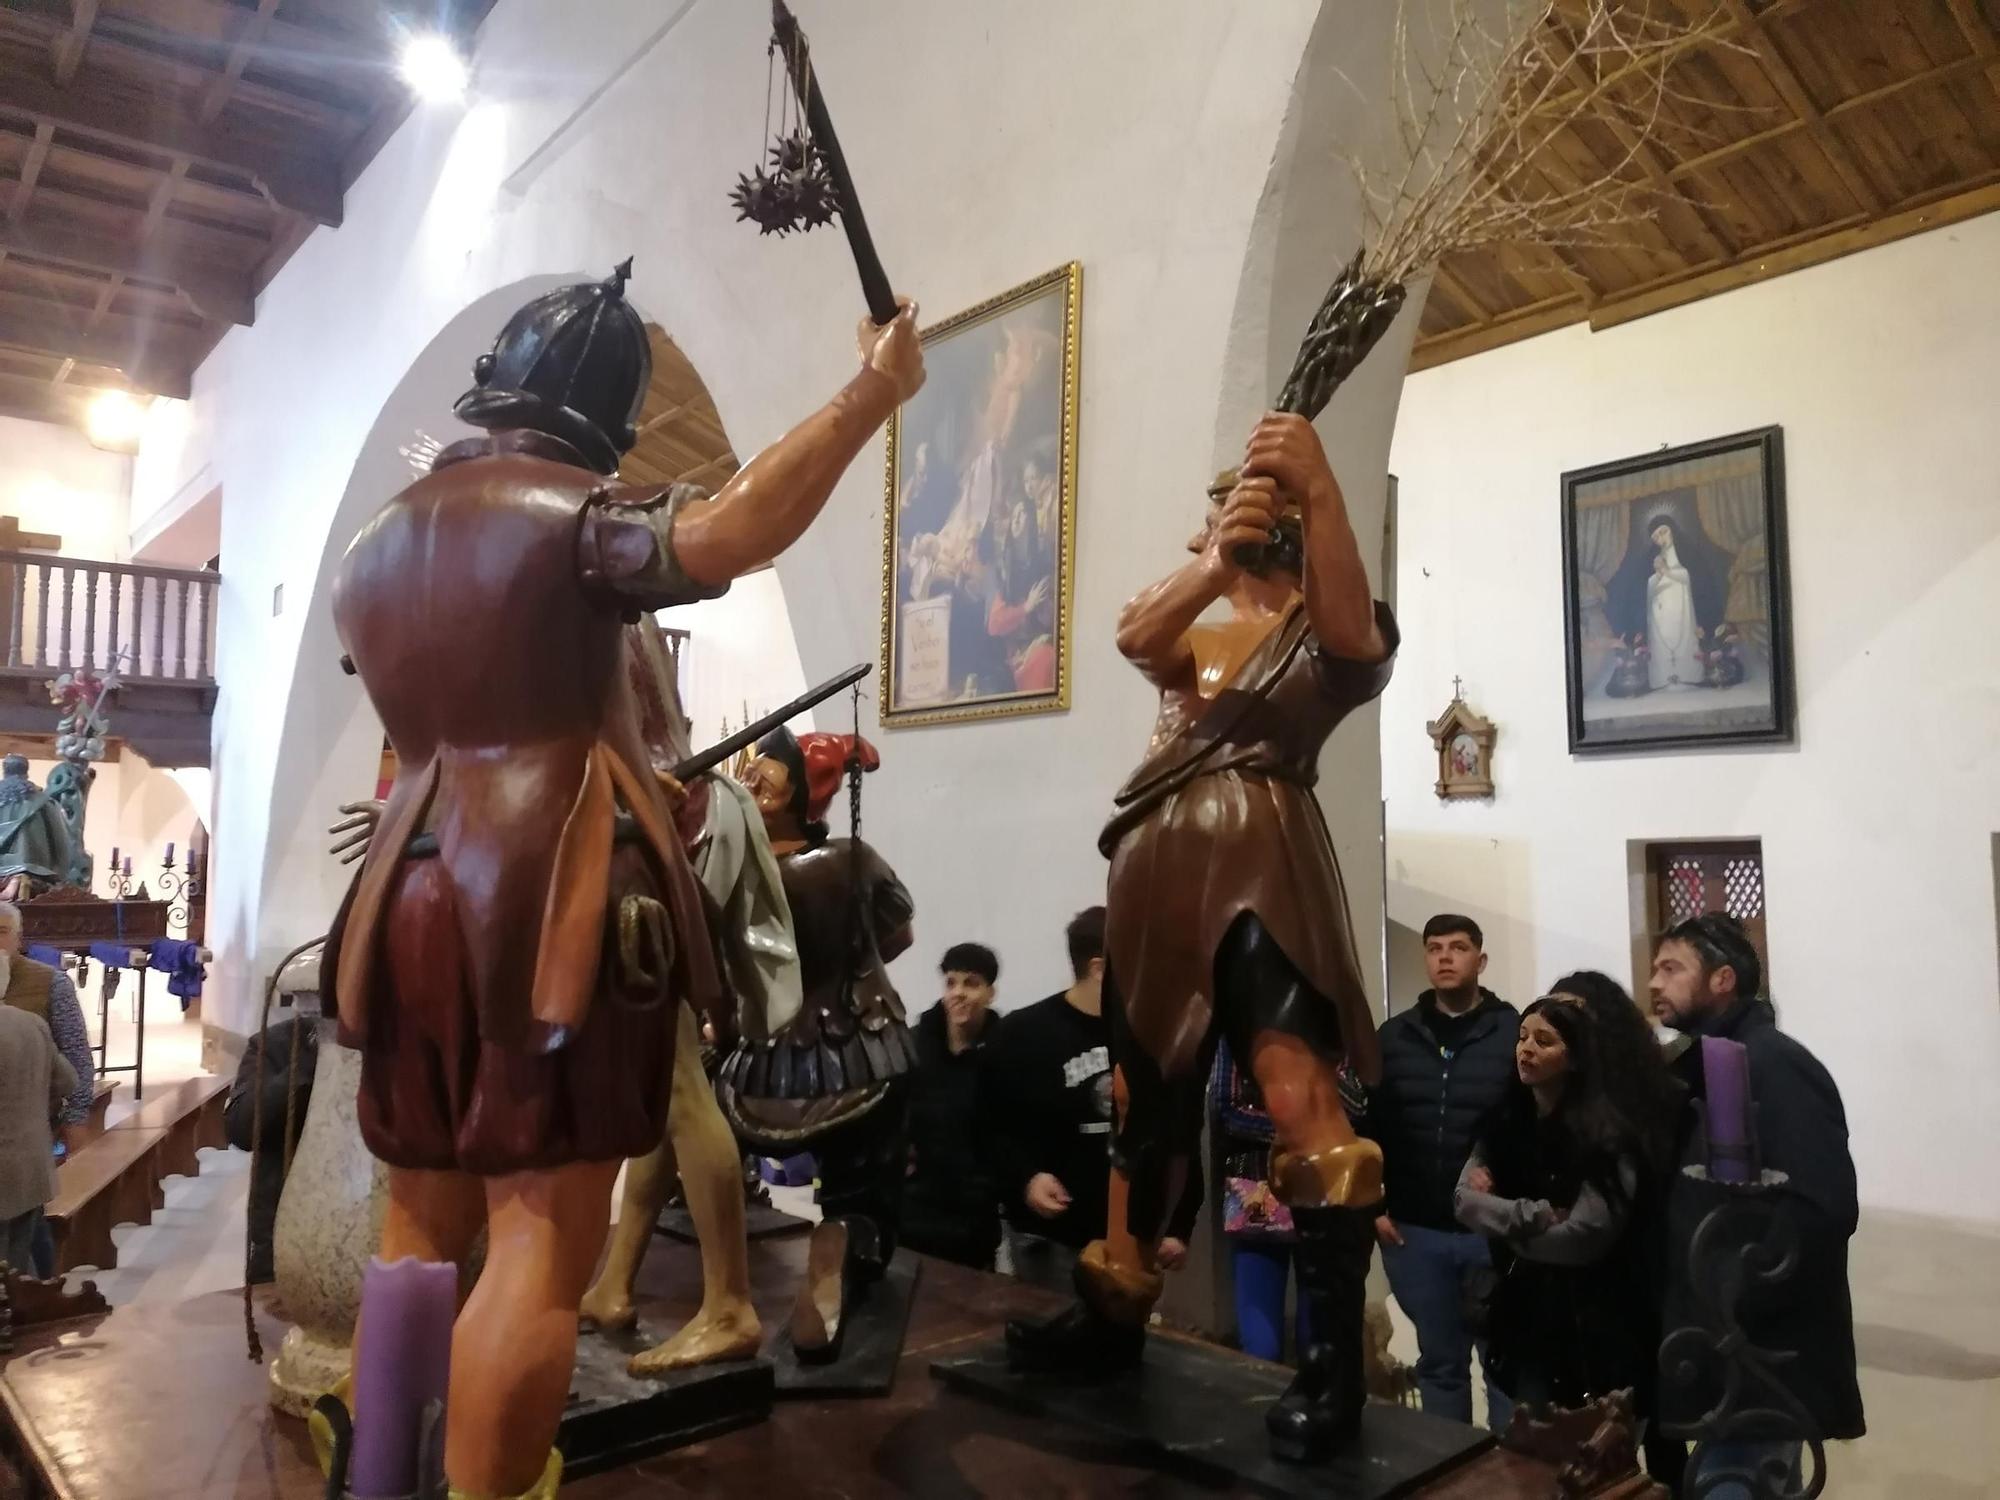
x=1743, y=1243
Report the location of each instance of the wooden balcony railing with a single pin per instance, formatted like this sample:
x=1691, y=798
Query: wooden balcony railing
x=153, y=625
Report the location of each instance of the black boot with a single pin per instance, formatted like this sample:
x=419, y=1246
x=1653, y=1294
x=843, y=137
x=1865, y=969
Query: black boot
x=1077, y=1342
x=1320, y=1411
x=1102, y=1333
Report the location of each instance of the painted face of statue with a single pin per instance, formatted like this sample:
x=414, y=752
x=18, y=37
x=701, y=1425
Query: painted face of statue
x=1663, y=535
x=770, y=784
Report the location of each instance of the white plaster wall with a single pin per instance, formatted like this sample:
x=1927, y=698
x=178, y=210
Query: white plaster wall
x=54, y=482
x=1877, y=824
x=991, y=143
x=742, y=654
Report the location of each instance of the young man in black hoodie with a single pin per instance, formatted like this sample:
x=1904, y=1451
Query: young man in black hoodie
x=1446, y=1061
x=1706, y=982
x=1048, y=1121
x=951, y=1208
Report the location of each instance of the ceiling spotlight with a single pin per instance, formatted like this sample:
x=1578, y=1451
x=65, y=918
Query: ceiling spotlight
x=433, y=69
x=113, y=421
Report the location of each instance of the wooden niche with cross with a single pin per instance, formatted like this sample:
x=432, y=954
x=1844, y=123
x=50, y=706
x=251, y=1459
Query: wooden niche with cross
x=1464, y=744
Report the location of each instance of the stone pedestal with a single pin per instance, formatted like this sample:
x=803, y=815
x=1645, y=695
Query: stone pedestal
x=329, y=1218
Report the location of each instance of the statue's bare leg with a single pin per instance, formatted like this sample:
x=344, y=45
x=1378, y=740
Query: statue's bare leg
x=711, y=1171
x=514, y=1349
x=710, y=1168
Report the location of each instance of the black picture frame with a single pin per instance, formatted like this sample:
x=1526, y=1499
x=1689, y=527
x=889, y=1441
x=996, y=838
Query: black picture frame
x=1722, y=616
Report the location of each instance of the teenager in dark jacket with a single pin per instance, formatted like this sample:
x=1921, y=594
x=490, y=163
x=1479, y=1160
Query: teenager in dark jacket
x=951, y=1208
x=1446, y=1062
x=1706, y=982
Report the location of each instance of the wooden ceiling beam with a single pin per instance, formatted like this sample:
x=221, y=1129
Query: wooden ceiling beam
x=293, y=181
x=31, y=171
x=1523, y=323
x=1978, y=35
x=1943, y=73
x=121, y=343
x=67, y=50
x=217, y=294
x=1455, y=287
x=50, y=406
x=240, y=52
x=1793, y=92
x=1860, y=232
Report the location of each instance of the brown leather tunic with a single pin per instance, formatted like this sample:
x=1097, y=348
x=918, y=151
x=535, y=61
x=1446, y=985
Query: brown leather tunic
x=851, y=1035
x=482, y=611
x=1220, y=820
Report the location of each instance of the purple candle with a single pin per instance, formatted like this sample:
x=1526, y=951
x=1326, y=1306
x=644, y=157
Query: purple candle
x=128, y=864
x=114, y=857
x=1725, y=1067
x=170, y=855
x=403, y=1363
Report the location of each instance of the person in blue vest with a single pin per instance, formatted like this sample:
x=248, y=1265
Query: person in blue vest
x=1446, y=1062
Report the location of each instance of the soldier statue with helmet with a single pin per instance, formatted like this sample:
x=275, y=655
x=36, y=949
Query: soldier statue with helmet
x=514, y=952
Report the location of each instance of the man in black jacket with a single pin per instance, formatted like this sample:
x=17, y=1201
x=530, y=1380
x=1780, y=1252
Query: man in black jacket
x=951, y=1207
x=1706, y=981
x=1445, y=1063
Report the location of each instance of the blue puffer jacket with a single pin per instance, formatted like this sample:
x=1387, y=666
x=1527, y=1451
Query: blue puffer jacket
x=1427, y=1109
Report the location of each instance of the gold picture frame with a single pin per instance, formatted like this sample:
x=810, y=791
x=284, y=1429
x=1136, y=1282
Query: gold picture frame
x=978, y=552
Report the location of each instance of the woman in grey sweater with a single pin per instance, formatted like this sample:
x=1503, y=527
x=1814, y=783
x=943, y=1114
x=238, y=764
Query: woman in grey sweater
x=35, y=1079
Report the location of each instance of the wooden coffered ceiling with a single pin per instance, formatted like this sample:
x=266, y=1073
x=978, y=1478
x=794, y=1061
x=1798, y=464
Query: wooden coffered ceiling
x=681, y=440
x=1828, y=126
x=161, y=159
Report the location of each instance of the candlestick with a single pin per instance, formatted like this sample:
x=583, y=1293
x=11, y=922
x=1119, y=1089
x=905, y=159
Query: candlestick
x=403, y=1361
x=1725, y=1067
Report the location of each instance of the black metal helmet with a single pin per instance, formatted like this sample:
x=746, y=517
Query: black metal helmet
x=573, y=363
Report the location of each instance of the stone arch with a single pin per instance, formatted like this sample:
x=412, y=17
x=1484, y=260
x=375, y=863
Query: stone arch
x=330, y=744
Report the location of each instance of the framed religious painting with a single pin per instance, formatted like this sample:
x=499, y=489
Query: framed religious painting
x=979, y=513
x=1676, y=629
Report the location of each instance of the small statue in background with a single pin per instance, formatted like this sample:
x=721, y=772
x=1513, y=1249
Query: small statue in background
x=832, y=1082
x=37, y=843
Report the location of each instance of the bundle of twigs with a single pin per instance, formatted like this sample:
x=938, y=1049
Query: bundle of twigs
x=1478, y=104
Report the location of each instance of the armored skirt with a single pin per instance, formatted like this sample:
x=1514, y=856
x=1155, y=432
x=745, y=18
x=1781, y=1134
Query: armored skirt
x=850, y=1040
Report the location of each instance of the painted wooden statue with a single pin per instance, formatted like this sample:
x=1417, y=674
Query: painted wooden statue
x=832, y=1081
x=506, y=960
x=1226, y=917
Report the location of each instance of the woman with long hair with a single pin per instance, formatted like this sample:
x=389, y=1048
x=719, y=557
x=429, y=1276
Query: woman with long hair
x=1564, y=1170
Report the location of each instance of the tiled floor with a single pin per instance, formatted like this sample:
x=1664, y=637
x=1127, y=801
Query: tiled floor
x=1926, y=1299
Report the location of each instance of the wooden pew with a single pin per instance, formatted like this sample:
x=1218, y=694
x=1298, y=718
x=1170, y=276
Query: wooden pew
x=116, y=1179
x=190, y=1113
x=93, y=1123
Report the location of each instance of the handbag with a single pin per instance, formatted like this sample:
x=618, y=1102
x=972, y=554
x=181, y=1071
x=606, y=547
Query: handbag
x=1249, y=1207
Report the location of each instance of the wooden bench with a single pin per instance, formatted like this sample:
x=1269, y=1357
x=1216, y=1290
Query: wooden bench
x=190, y=1114
x=93, y=1123
x=113, y=1180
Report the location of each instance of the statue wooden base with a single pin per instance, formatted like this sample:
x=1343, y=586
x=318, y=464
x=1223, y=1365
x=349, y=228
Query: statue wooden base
x=1198, y=1410
x=759, y=1220
x=616, y=1418
x=871, y=1350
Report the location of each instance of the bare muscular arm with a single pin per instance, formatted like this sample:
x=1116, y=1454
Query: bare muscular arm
x=1153, y=627
x=775, y=497
x=1339, y=602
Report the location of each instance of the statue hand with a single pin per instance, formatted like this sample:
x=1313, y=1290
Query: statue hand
x=1247, y=518
x=1284, y=446
x=353, y=833
x=893, y=349
x=672, y=789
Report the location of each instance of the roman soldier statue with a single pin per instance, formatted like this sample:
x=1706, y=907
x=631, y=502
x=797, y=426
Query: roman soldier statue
x=1226, y=917
x=37, y=843
x=513, y=956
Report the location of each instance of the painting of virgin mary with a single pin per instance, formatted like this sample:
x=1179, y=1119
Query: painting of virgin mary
x=1674, y=598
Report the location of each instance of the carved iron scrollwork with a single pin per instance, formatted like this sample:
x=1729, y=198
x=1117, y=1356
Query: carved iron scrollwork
x=1742, y=1245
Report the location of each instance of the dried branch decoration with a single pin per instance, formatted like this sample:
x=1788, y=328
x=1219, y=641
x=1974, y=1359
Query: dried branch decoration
x=1478, y=120
x=1476, y=117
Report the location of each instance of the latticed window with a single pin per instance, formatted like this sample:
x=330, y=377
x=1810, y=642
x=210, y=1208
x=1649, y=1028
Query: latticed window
x=1688, y=880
